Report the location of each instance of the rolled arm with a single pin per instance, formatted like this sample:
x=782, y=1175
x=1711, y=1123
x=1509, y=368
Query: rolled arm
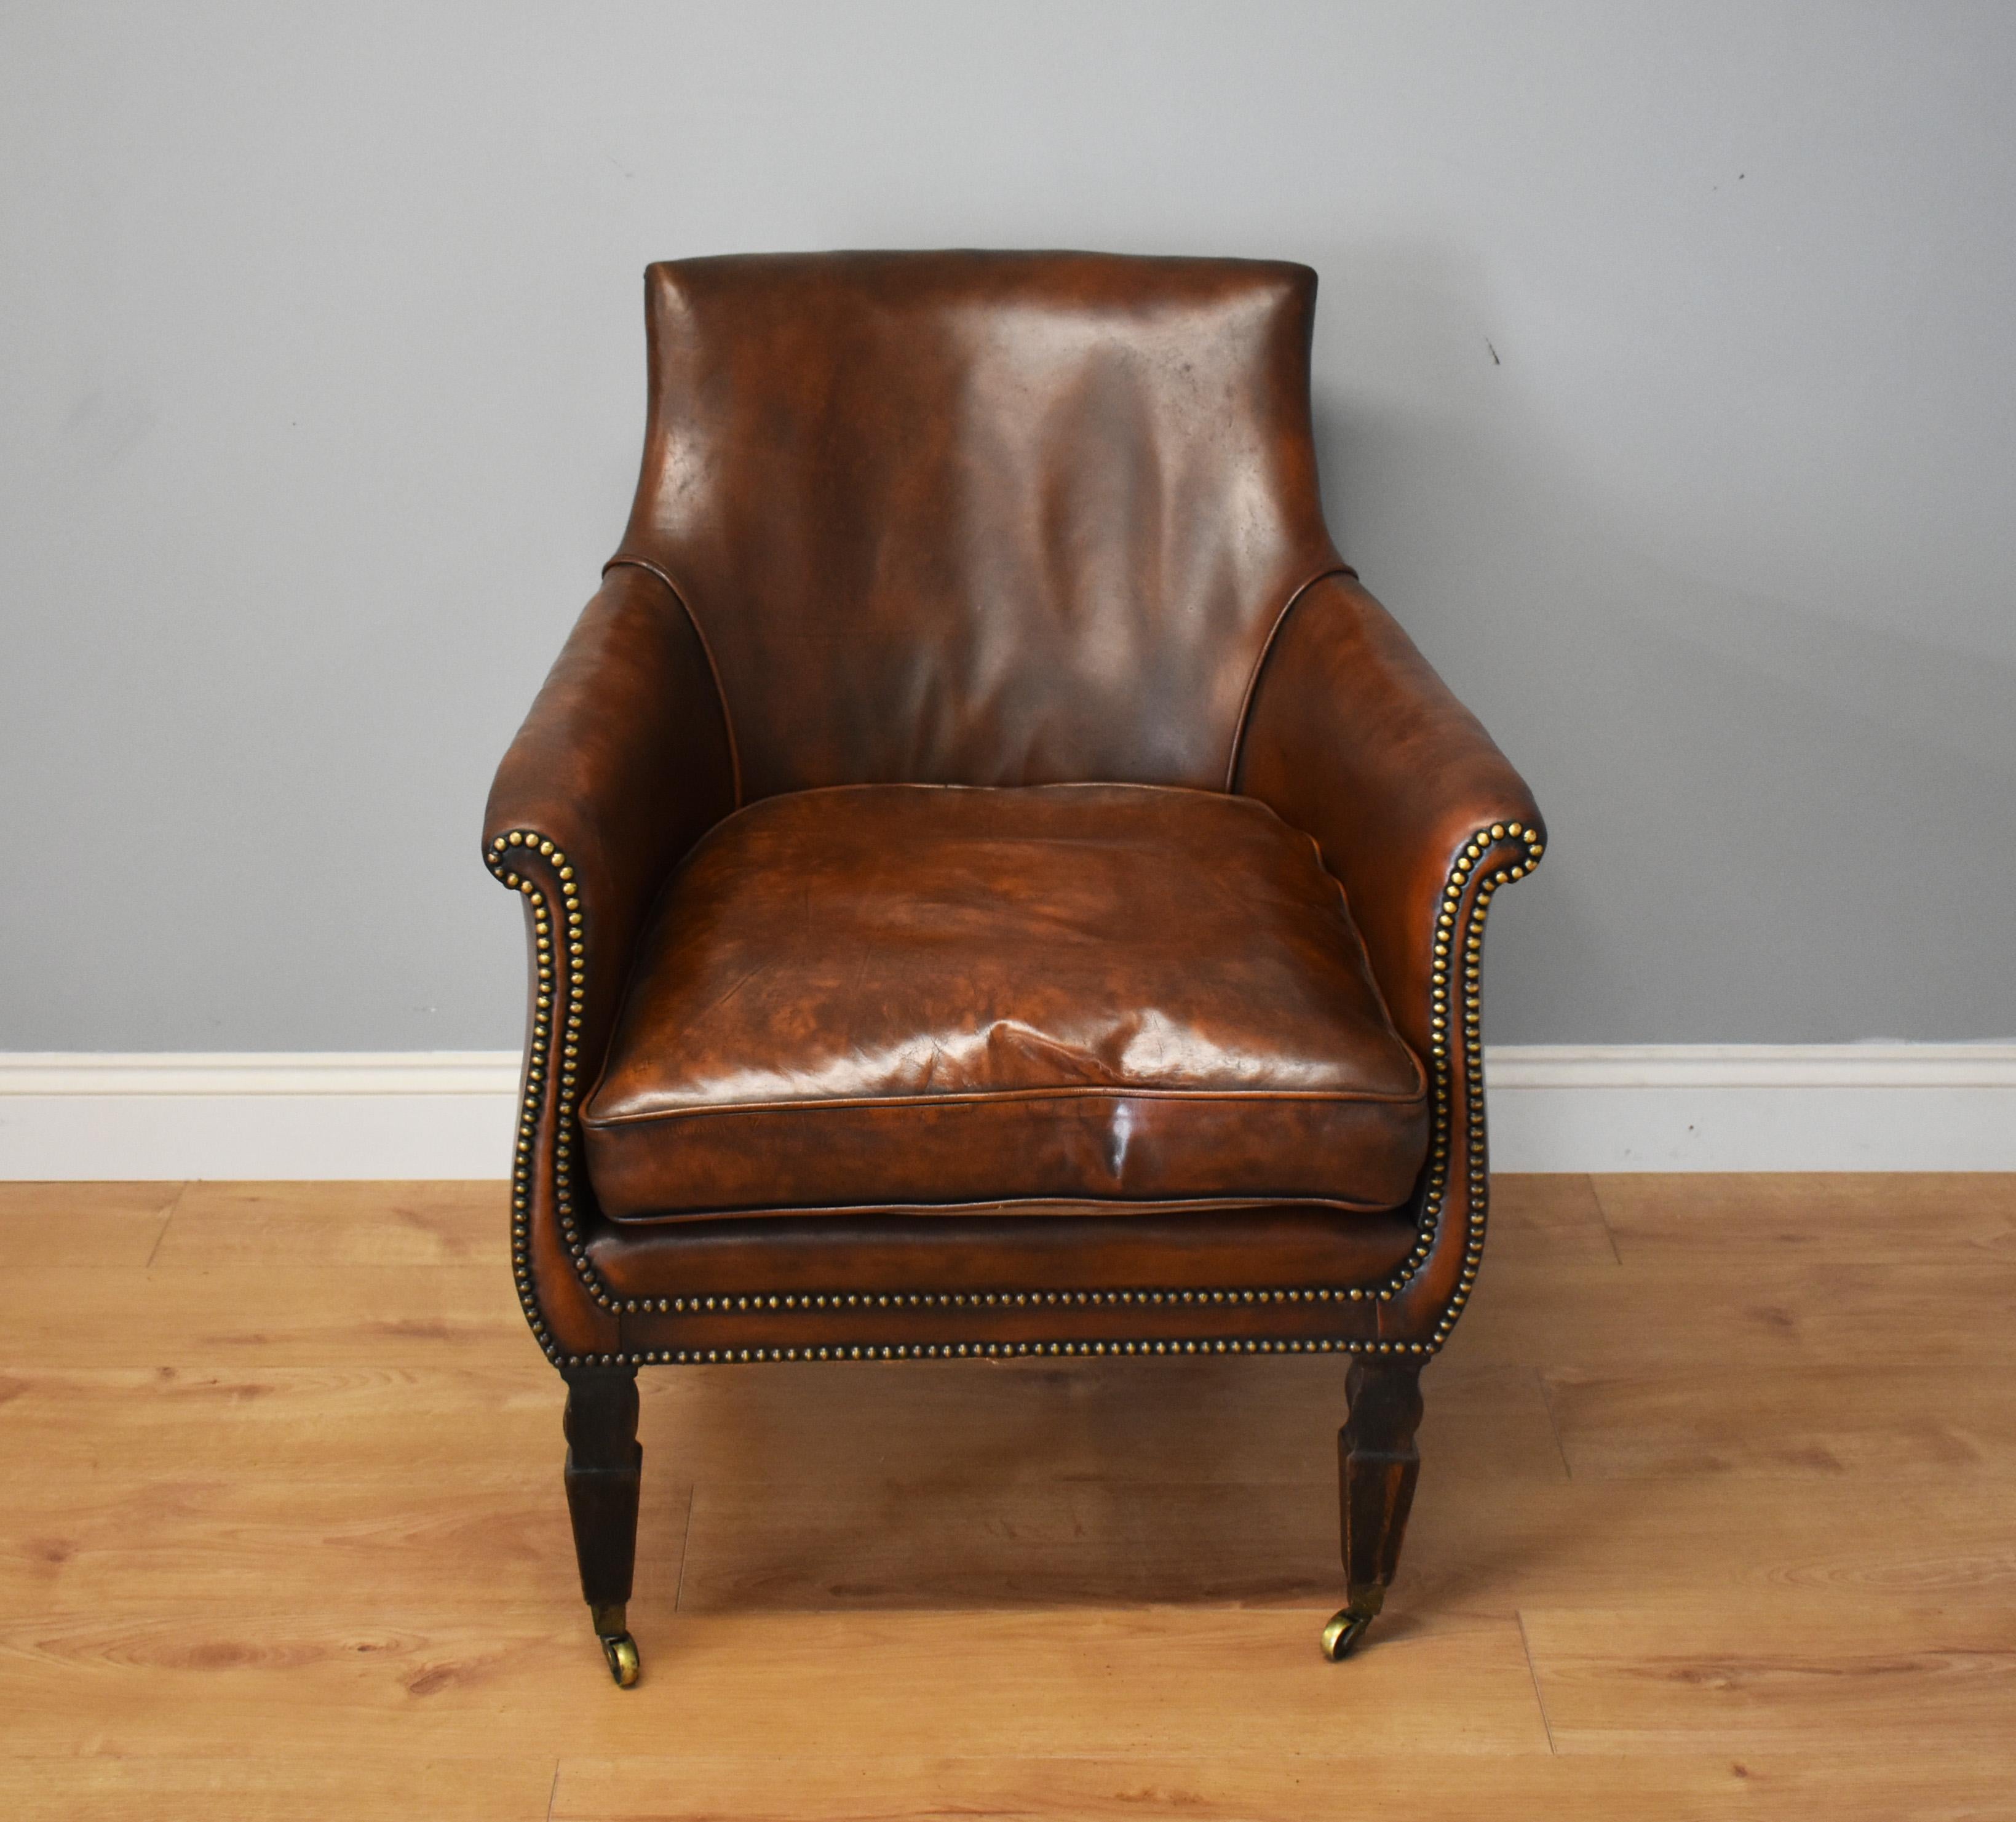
x=624, y=762
x=1352, y=737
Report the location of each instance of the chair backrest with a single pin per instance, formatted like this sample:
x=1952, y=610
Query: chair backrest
x=981, y=518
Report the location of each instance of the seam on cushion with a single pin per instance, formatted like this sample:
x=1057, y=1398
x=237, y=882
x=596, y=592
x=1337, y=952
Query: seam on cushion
x=991, y=1097
x=871, y=784
x=707, y=652
x=781, y=796
x=938, y=1211
x=1260, y=663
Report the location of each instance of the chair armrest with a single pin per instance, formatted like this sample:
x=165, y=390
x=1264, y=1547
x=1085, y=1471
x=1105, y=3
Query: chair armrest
x=625, y=761
x=1352, y=737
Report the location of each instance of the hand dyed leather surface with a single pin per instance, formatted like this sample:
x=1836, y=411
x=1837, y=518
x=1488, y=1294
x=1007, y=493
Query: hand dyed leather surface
x=934, y=997
x=995, y=520
x=981, y=518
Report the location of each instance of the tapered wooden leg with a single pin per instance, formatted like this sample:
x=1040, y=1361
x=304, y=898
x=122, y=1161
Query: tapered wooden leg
x=1377, y=1465
x=604, y=1470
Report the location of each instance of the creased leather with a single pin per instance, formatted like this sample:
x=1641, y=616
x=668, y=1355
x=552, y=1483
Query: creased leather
x=937, y=996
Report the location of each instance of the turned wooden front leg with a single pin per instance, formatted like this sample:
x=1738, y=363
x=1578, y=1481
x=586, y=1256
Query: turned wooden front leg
x=1377, y=1464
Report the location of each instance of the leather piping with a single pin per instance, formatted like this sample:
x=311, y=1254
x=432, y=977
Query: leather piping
x=1260, y=663
x=991, y=1097
x=728, y=716
x=941, y=784
x=1064, y=1205
x=707, y=651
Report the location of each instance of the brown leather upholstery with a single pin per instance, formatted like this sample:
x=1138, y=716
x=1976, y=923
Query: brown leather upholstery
x=1241, y=1249
x=1352, y=737
x=995, y=519
x=981, y=518
x=935, y=998
x=946, y=842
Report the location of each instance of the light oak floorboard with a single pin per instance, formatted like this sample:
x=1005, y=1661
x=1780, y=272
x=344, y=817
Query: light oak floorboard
x=1479, y=1545
x=1245, y=1788
x=338, y=1224
x=1698, y=1311
x=355, y=1543
x=1930, y=1423
x=1551, y=1217
x=103, y=1226
x=1779, y=1675
x=265, y=1314
x=979, y=1428
x=1717, y=1516
x=1879, y=1218
x=801, y=1686
x=492, y=1788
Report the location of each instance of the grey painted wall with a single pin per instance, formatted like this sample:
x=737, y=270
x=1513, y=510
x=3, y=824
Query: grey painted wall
x=1665, y=377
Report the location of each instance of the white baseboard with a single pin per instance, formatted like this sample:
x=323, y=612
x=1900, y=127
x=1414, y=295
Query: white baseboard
x=1752, y=1107
x=448, y=1113
x=171, y=1116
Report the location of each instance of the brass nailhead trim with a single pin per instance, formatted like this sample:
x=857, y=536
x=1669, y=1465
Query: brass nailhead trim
x=542, y=1053
x=1449, y=920
x=993, y=1350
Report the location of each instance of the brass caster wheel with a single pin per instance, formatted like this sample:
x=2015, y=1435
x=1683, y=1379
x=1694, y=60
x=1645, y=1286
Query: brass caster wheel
x=1348, y=1625
x=621, y=1652
x=612, y=1631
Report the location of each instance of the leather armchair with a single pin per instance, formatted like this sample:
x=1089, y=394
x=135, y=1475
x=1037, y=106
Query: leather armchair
x=996, y=885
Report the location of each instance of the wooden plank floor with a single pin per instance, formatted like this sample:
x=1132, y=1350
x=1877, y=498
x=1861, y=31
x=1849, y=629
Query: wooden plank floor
x=1717, y=1517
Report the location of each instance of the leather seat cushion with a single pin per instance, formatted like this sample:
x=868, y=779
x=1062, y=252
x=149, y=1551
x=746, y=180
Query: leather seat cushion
x=1049, y=999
